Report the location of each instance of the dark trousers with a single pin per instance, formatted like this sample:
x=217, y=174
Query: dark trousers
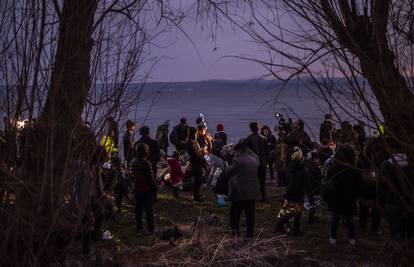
x=95, y=214
x=296, y=224
x=144, y=200
x=271, y=166
x=363, y=212
x=281, y=179
x=335, y=220
x=197, y=182
x=261, y=176
x=248, y=206
x=121, y=191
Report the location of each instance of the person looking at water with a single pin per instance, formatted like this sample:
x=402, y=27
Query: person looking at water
x=129, y=140
x=271, y=145
x=145, y=186
x=197, y=163
x=162, y=135
x=154, y=148
x=327, y=129
x=220, y=135
x=243, y=188
x=258, y=144
x=179, y=134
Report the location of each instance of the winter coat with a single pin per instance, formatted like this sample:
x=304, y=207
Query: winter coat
x=128, y=145
x=176, y=171
x=326, y=131
x=298, y=138
x=280, y=157
x=162, y=136
x=154, y=151
x=142, y=175
x=258, y=144
x=345, y=183
x=242, y=175
x=196, y=158
x=390, y=168
x=221, y=137
x=296, y=181
x=179, y=134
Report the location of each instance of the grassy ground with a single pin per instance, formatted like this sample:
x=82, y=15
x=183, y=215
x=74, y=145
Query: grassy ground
x=206, y=239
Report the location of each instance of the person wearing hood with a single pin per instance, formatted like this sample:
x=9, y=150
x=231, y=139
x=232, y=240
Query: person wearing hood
x=396, y=197
x=243, y=187
x=296, y=177
x=162, y=135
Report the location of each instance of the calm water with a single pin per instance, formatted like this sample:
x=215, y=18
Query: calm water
x=233, y=104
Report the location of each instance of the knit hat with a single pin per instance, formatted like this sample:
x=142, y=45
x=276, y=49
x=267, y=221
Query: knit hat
x=297, y=153
x=220, y=127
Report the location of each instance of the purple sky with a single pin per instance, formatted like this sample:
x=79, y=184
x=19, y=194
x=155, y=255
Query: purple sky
x=181, y=62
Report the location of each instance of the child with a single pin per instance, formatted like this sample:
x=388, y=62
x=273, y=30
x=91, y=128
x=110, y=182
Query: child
x=177, y=173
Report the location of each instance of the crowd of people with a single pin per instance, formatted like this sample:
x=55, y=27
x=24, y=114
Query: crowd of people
x=350, y=172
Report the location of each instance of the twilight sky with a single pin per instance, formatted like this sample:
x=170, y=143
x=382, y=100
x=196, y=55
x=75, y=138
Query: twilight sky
x=180, y=60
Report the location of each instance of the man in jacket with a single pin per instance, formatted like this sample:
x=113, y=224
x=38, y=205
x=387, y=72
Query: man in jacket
x=179, y=134
x=145, y=186
x=129, y=140
x=243, y=188
x=258, y=144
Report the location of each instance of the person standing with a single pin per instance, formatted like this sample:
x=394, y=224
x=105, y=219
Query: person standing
x=179, y=134
x=327, y=129
x=295, y=192
x=129, y=141
x=197, y=163
x=204, y=139
x=220, y=135
x=145, y=186
x=343, y=181
x=243, y=188
x=271, y=145
x=258, y=144
x=162, y=135
x=154, y=148
x=279, y=156
x=177, y=172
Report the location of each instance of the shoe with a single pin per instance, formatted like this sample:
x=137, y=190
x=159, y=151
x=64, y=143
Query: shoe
x=352, y=241
x=332, y=241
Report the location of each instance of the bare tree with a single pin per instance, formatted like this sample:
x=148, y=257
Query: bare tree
x=61, y=61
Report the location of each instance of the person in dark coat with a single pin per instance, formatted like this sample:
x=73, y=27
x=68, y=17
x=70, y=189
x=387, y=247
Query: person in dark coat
x=298, y=137
x=258, y=144
x=395, y=195
x=162, y=135
x=197, y=164
x=327, y=129
x=145, y=186
x=154, y=147
x=220, y=135
x=243, y=188
x=129, y=141
x=179, y=135
x=295, y=192
x=271, y=145
x=344, y=181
